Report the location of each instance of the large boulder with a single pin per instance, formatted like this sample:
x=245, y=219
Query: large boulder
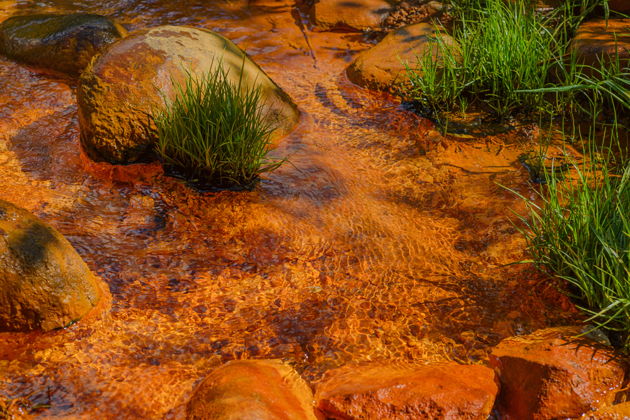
x=64, y=43
x=550, y=374
x=252, y=390
x=353, y=15
x=44, y=283
x=118, y=92
x=407, y=392
x=602, y=41
x=383, y=67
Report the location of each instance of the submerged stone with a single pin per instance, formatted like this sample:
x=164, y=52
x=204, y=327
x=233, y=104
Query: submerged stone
x=382, y=67
x=551, y=375
x=44, y=283
x=120, y=89
x=600, y=42
x=64, y=43
x=252, y=389
x=407, y=392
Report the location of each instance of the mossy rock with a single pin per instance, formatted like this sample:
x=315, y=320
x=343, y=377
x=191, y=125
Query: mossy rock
x=44, y=283
x=120, y=90
x=64, y=43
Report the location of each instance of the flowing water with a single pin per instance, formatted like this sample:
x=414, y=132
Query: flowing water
x=380, y=240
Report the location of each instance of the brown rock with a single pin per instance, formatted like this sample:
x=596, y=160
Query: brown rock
x=382, y=67
x=601, y=40
x=350, y=15
x=44, y=283
x=548, y=374
x=118, y=92
x=64, y=43
x=397, y=392
x=252, y=390
x=612, y=412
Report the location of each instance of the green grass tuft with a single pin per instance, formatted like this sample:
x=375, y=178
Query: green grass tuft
x=581, y=233
x=215, y=133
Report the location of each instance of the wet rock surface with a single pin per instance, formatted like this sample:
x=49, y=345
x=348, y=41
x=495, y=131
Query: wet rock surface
x=119, y=91
x=44, y=283
x=549, y=374
x=612, y=412
x=602, y=40
x=382, y=67
x=65, y=43
x=252, y=389
x=384, y=391
x=353, y=15
x=414, y=11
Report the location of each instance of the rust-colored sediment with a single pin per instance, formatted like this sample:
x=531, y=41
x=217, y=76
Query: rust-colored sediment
x=381, y=239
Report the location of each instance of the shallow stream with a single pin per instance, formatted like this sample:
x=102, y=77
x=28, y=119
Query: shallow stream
x=380, y=240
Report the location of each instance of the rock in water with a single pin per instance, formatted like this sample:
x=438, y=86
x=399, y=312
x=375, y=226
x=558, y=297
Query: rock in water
x=118, y=91
x=601, y=42
x=356, y=15
x=44, y=283
x=252, y=389
x=64, y=43
x=550, y=375
x=382, y=67
x=407, y=392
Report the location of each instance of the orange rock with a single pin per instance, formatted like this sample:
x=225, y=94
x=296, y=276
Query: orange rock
x=548, y=375
x=252, y=389
x=397, y=392
x=357, y=15
x=601, y=40
x=44, y=283
x=382, y=67
x=119, y=91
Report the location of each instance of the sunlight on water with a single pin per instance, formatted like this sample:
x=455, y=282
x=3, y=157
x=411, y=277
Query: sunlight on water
x=380, y=240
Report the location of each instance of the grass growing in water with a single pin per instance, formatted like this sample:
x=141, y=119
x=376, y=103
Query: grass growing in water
x=508, y=58
x=215, y=133
x=581, y=233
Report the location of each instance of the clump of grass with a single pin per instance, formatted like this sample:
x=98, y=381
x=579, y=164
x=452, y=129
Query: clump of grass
x=503, y=49
x=581, y=232
x=507, y=58
x=215, y=132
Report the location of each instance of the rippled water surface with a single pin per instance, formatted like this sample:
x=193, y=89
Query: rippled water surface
x=380, y=240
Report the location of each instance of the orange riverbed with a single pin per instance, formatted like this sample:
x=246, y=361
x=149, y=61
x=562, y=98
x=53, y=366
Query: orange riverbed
x=380, y=240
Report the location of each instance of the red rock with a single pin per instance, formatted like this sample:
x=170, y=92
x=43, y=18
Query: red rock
x=598, y=40
x=548, y=375
x=252, y=390
x=397, y=392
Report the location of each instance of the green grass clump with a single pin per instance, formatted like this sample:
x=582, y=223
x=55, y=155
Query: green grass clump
x=581, y=233
x=503, y=48
x=507, y=58
x=215, y=133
